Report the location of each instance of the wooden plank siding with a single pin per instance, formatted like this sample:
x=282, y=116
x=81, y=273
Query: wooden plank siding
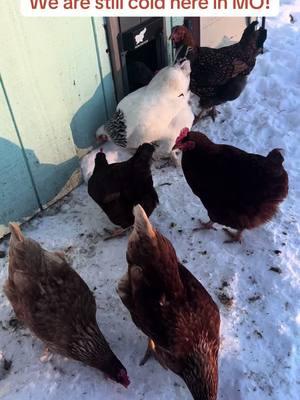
x=17, y=196
x=58, y=91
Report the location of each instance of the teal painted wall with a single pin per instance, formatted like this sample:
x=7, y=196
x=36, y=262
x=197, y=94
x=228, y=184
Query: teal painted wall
x=56, y=90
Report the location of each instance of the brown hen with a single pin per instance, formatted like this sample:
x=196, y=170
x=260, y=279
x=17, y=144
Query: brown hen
x=238, y=189
x=172, y=308
x=219, y=75
x=52, y=300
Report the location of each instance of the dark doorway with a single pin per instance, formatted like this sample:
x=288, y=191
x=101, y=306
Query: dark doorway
x=142, y=51
x=138, y=51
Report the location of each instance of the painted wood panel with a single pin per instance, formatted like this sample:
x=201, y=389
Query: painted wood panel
x=99, y=103
x=17, y=197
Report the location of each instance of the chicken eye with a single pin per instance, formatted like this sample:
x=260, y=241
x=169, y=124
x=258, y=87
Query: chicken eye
x=181, y=95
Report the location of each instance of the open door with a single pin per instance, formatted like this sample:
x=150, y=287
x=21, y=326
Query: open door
x=137, y=48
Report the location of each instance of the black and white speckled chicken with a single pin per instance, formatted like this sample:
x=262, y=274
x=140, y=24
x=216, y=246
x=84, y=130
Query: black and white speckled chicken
x=219, y=75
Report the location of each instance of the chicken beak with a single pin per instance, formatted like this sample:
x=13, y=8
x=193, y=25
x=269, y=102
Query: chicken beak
x=174, y=147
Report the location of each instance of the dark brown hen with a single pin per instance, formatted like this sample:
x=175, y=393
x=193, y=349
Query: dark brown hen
x=238, y=189
x=172, y=308
x=52, y=300
x=118, y=187
x=219, y=75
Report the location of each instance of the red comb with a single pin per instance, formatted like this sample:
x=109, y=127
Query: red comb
x=183, y=133
x=124, y=380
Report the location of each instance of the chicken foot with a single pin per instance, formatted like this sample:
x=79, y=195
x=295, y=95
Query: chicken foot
x=118, y=232
x=235, y=236
x=46, y=355
x=211, y=112
x=149, y=352
x=205, y=226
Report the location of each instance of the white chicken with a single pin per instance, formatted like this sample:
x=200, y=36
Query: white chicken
x=154, y=113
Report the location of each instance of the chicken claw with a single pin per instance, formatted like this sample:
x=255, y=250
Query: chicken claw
x=118, y=232
x=149, y=352
x=235, y=236
x=211, y=112
x=46, y=355
x=205, y=226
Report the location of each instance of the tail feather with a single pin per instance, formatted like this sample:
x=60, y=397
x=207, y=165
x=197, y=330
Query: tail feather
x=142, y=226
x=24, y=253
x=249, y=31
x=144, y=154
x=152, y=257
x=16, y=233
x=276, y=156
x=262, y=36
x=253, y=36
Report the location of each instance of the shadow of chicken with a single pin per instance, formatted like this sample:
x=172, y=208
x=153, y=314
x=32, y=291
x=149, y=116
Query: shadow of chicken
x=219, y=75
x=118, y=187
x=238, y=189
x=172, y=308
x=52, y=300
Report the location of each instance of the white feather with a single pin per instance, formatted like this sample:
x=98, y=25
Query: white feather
x=158, y=112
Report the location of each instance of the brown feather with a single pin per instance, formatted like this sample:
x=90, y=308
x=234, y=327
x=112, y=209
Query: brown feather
x=56, y=305
x=172, y=308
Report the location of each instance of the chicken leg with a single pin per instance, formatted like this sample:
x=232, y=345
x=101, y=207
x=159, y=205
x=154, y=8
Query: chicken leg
x=46, y=355
x=205, y=226
x=235, y=236
x=118, y=232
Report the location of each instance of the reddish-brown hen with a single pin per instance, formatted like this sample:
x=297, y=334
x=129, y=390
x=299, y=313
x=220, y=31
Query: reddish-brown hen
x=172, y=308
x=238, y=189
x=52, y=300
x=219, y=75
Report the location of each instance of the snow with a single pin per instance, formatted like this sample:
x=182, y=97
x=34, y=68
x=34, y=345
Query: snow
x=256, y=284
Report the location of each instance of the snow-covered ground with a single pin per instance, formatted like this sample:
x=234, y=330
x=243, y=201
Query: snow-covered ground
x=256, y=284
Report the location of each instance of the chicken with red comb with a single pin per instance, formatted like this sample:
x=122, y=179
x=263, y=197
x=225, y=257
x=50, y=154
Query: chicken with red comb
x=238, y=189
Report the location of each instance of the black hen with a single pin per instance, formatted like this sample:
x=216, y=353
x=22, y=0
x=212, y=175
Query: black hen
x=118, y=187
